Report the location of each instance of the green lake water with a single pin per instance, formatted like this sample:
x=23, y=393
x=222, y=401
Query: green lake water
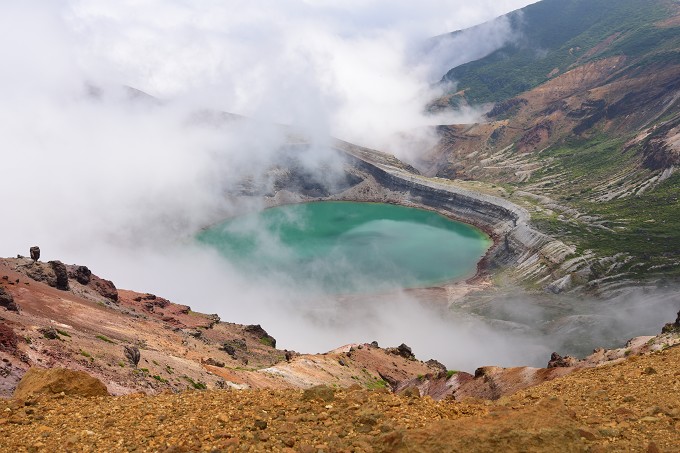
x=346, y=247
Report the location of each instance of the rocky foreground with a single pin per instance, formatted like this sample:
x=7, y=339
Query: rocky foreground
x=89, y=367
x=633, y=405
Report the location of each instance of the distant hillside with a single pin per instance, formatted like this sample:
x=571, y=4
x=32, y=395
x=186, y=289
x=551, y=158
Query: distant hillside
x=555, y=35
x=584, y=133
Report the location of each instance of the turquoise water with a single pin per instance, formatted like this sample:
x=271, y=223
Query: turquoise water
x=346, y=247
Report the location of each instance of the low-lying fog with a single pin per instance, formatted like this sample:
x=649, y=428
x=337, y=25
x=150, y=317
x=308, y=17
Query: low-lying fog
x=99, y=174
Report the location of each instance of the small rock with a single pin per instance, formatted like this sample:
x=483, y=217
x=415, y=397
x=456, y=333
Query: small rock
x=260, y=424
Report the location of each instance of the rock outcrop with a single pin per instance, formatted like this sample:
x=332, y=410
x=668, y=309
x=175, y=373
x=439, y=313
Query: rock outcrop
x=403, y=351
x=81, y=274
x=557, y=360
x=672, y=326
x=61, y=274
x=258, y=332
x=84, y=276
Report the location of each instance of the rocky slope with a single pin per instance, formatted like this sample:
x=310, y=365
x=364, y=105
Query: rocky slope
x=588, y=146
x=95, y=327
x=629, y=406
x=142, y=342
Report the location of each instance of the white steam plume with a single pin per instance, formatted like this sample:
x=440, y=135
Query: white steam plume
x=101, y=175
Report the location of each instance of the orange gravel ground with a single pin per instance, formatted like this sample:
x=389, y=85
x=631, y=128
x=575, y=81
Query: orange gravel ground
x=630, y=406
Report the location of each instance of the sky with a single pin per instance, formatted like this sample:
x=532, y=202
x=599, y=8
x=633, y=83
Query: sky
x=99, y=175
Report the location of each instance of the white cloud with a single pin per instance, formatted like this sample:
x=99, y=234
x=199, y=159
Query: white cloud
x=121, y=185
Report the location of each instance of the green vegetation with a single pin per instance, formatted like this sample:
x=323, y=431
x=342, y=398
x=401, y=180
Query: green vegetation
x=63, y=333
x=641, y=226
x=267, y=341
x=105, y=338
x=160, y=379
x=194, y=384
x=450, y=373
x=558, y=33
x=377, y=384
x=86, y=354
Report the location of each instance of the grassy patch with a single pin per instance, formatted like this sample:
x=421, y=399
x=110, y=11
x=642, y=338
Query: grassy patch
x=194, y=384
x=375, y=385
x=267, y=342
x=105, y=338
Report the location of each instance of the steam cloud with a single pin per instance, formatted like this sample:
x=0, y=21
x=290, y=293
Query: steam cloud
x=100, y=174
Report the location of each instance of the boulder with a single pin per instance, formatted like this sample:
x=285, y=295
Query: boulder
x=53, y=381
x=7, y=301
x=61, y=273
x=35, y=253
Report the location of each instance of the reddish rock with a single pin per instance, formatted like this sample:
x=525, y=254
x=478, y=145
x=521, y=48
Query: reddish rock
x=8, y=339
